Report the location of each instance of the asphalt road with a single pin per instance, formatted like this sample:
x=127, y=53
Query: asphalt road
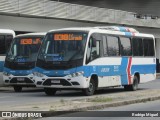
x=30, y=96
x=150, y=107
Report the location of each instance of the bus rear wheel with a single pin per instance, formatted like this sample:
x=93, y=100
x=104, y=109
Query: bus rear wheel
x=50, y=91
x=91, y=89
x=17, y=88
x=132, y=87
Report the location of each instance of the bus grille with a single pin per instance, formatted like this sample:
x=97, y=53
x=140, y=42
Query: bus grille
x=62, y=82
x=26, y=80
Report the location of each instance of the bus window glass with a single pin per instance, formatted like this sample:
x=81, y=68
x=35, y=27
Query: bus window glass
x=8, y=41
x=104, y=45
x=148, y=47
x=63, y=46
x=125, y=46
x=93, y=50
x=137, y=46
x=2, y=44
x=113, y=46
x=25, y=48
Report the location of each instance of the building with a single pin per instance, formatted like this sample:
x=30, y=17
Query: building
x=42, y=15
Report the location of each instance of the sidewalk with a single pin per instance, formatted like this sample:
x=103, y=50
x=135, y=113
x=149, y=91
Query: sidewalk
x=91, y=103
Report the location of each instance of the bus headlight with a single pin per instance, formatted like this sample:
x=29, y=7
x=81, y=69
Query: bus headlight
x=79, y=73
x=76, y=74
x=38, y=74
x=6, y=74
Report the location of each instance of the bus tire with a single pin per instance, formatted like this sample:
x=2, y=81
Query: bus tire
x=17, y=88
x=132, y=87
x=91, y=89
x=50, y=91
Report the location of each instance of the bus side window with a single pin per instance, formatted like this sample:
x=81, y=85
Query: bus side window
x=137, y=46
x=93, y=50
x=105, y=49
x=148, y=45
x=125, y=46
x=5, y=42
x=2, y=44
x=8, y=41
x=113, y=46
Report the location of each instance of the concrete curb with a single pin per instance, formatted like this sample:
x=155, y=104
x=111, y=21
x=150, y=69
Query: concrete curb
x=100, y=106
x=93, y=107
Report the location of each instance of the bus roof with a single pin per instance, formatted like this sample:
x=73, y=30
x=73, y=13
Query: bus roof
x=108, y=29
x=73, y=28
x=32, y=34
x=7, y=31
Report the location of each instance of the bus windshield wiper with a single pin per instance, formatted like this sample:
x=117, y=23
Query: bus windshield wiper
x=14, y=59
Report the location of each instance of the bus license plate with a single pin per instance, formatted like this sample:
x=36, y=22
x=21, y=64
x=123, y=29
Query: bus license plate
x=20, y=79
x=55, y=81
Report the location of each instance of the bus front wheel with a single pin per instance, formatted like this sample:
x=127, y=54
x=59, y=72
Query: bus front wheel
x=91, y=89
x=50, y=91
x=17, y=88
x=132, y=87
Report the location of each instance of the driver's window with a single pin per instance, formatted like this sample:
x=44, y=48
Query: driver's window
x=93, y=50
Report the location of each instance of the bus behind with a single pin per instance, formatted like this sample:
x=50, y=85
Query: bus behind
x=20, y=60
x=6, y=37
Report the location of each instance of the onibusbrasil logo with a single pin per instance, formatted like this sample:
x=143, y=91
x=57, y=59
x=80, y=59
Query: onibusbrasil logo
x=21, y=114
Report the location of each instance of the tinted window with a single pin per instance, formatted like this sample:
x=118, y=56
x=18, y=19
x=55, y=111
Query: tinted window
x=113, y=46
x=137, y=46
x=2, y=44
x=5, y=41
x=8, y=41
x=148, y=47
x=125, y=46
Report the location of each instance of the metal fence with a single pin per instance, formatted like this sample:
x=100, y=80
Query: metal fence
x=54, y=9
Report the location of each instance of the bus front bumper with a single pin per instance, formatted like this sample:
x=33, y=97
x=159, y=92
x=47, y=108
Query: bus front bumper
x=19, y=80
x=79, y=82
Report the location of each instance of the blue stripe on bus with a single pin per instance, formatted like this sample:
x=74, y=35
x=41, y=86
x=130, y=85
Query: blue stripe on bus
x=18, y=72
x=101, y=70
x=143, y=69
x=122, y=29
x=1, y=66
x=128, y=34
x=123, y=70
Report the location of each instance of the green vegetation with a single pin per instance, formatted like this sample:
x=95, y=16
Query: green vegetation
x=100, y=99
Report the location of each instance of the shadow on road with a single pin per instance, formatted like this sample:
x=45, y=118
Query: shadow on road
x=98, y=92
x=24, y=90
x=65, y=93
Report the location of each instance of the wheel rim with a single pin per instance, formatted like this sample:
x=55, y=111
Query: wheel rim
x=90, y=89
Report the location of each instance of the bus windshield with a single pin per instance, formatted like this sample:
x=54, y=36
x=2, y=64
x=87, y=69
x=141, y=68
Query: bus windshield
x=63, y=46
x=24, y=49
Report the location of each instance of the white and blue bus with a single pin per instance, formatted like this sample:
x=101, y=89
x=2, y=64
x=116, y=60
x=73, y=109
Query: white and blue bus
x=6, y=37
x=20, y=60
x=94, y=58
